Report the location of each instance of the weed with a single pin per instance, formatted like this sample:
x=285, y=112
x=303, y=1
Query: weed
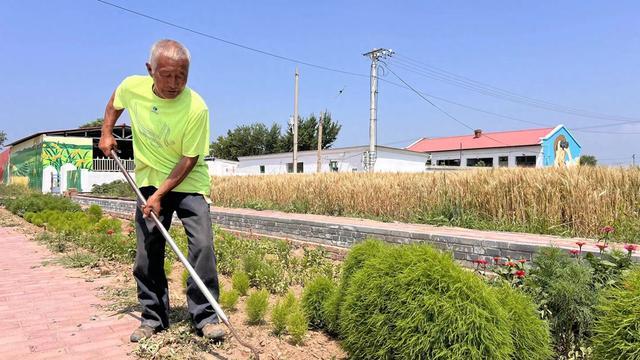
x=229, y=299
x=78, y=259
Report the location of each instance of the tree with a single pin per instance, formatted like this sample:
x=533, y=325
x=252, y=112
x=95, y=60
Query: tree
x=258, y=139
x=3, y=138
x=95, y=123
x=247, y=140
x=588, y=160
x=308, y=133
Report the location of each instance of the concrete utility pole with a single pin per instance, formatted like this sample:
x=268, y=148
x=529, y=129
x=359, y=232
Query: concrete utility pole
x=320, y=141
x=633, y=160
x=374, y=55
x=295, y=124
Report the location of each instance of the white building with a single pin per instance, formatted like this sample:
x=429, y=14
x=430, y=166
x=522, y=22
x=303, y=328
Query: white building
x=220, y=167
x=347, y=159
x=521, y=148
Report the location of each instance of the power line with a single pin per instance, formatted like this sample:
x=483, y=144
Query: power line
x=436, y=106
x=228, y=42
x=486, y=89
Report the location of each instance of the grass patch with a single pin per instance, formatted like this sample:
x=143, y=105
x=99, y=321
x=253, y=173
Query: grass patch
x=78, y=259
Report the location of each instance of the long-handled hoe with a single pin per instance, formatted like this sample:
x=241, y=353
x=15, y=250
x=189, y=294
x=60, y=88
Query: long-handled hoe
x=184, y=261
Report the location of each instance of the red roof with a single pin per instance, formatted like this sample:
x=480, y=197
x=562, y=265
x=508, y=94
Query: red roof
x=484, y=141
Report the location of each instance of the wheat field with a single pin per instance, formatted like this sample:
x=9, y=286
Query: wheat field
x=575, y=201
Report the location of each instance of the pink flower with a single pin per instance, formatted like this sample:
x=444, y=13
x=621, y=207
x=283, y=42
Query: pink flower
x=580, y=244
x=631, y=248
x=602, y=246
x=608, y=229
x=510, y=264
x=520, y=273
x=480, y=261
x=522, y=261
x=574, y=252
x=496, y=259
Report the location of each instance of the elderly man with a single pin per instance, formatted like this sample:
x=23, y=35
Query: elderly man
x=170, y=124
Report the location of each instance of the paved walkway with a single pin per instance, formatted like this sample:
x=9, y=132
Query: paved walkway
x=49, y=312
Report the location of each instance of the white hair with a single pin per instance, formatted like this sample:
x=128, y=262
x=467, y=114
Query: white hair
x=169, y=48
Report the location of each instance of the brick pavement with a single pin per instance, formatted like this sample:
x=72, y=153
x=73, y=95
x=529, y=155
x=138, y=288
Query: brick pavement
x=49, y=312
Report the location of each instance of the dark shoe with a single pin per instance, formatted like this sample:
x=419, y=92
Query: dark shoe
x=142, y=332
x=213, y=331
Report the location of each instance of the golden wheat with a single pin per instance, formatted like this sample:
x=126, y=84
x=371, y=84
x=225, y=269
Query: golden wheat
x=576, y=201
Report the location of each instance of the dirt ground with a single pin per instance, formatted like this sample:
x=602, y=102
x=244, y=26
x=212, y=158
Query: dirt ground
x=180, y=341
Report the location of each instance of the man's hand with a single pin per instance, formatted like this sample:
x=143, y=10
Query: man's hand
x=153, y=204
x=107, y=143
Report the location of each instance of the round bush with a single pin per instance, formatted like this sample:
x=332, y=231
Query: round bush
x=529, y=333
x=617, y=328
x=240, y=282
x=314, y=297
x=257, y=304
x=414, y=302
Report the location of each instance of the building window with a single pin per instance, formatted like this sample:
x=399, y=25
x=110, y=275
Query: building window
x=503, y=161
x=450, y=162
x=480, y=162
x=526, y=161
x=333, y=166
x=300, y=167
x=261, y=169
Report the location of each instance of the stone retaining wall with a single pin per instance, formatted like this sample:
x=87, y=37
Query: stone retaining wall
x=339, y=233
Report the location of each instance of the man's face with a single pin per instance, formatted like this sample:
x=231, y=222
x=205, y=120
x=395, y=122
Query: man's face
x=169, y=77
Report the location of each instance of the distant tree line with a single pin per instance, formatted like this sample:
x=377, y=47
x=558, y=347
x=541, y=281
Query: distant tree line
x=260, y=139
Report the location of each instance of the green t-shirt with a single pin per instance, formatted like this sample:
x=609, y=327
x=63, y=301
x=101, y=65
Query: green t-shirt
x=165, y=130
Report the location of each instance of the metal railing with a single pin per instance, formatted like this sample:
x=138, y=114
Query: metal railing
x=109, y=165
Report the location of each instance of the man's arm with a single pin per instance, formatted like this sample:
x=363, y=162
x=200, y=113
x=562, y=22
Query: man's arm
x=178, y=174
x=111, y=115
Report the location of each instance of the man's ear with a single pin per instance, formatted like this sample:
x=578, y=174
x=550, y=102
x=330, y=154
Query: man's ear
x=149, y=69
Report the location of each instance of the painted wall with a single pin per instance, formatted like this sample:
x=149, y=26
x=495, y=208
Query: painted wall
x=219, y=167
x=26, y=163
x=4, y=165
x=554, y=154
x=61, y=154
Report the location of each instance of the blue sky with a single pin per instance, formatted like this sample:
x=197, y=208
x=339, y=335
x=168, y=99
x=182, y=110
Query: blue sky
x=61, y=60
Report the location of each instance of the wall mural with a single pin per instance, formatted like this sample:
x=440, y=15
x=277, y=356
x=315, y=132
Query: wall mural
x=30, y=158
x=26, y=164
x=4, y=166
x=560, y=149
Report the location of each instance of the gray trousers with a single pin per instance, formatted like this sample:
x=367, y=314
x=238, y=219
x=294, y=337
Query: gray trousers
x=153, y=292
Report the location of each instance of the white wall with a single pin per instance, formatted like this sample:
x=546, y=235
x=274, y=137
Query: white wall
x=219, y=167
x=511, y=153
x=348, y=160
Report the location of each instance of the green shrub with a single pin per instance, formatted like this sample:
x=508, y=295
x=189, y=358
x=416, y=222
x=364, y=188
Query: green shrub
x=257, y=304
x=564, y=288
x=229, y=250
x=314, y=298
x=94, y=212
x=240, y=282
x=617, y=328
x=229, y=299
x=117, y=188
x=185, y=278
x=529, y=333
x=415, y=302
x=109, y=226
x=354, y=261
x=272, y=276
x=39, y=202
x=279, y=315
x=297, y=325
x=168, y=266
x=252, y=262
x=330, y=312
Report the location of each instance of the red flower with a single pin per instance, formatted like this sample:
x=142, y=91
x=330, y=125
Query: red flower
x=480, y=261
x=109, y=232
x=580, y=244
x=574, y=252
x=510, y=264
x=631, y=248
x=602, y=246
x=608, y=229
x=496, y=259
x=520, y=273
x=522, y=261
